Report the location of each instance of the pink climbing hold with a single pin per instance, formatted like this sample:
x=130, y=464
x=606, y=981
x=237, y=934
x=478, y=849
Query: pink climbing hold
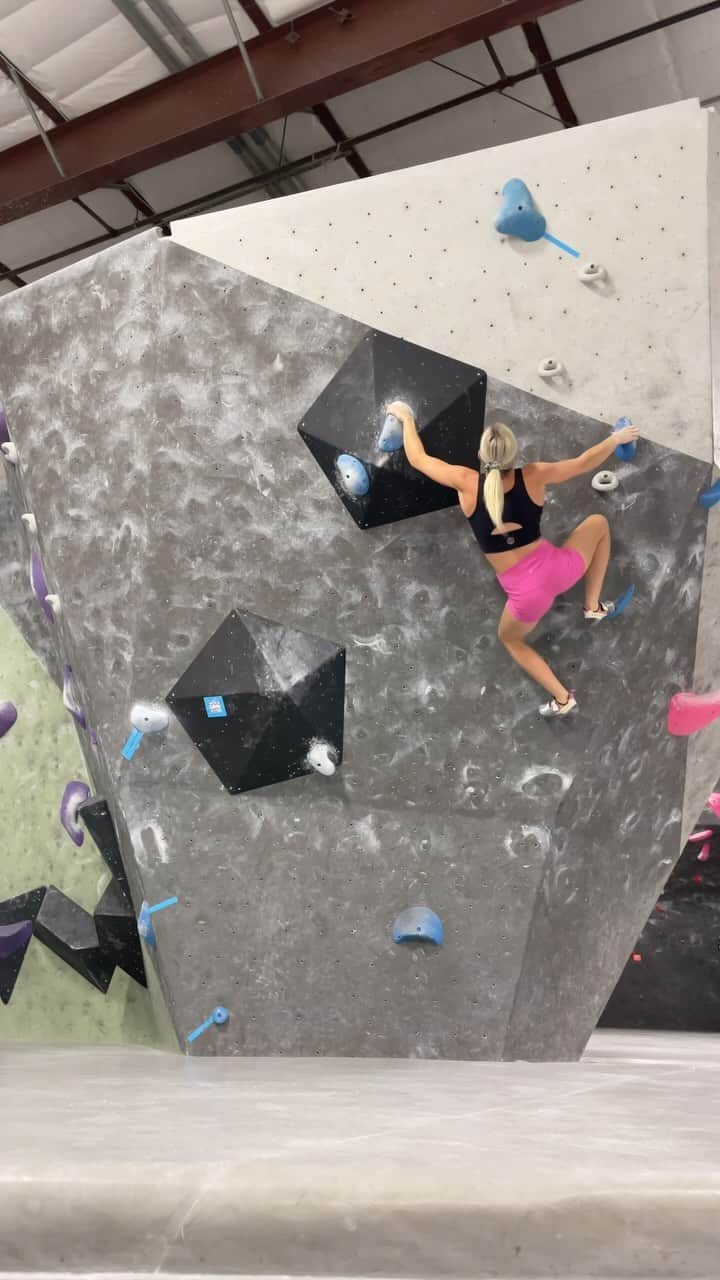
x=704, y=853
x=698, y=836
x=689, y=712
x=714, y=803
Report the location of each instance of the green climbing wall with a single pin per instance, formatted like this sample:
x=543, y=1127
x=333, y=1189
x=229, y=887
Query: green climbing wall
x=37, y=757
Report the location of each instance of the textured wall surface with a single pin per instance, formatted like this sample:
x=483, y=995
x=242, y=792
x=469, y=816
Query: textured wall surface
x=170, y=485
x=407, y=1169
x=415, y=252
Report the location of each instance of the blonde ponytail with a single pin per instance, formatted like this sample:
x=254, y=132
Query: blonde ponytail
x=494, y=496
x=497, y=453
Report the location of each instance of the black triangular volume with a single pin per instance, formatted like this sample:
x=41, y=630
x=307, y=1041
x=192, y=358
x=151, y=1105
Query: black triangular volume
x=264, y=693
x=442, y=392
x=70, y=932
x=227, y=663
x=14, y=942
x=321, y=700
x=227, y=742
x=96, y=815
x=24, y=906
x=397, y=492
x=117, y=932
x=448, y=399
x=281, y=753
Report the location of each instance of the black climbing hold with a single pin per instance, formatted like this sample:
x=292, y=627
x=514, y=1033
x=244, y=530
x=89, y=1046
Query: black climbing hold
x=448, y=398
x=283, y=690
x=69, y=931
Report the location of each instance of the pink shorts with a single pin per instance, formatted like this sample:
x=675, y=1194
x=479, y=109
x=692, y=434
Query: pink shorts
x=532, y=584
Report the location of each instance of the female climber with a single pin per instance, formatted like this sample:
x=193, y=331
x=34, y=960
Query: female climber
x=504, y=505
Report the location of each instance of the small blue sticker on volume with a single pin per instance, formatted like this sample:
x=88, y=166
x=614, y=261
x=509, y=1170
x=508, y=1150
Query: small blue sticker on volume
x=215, y=706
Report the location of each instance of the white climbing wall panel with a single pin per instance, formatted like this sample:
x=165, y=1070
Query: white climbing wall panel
x=415, y=253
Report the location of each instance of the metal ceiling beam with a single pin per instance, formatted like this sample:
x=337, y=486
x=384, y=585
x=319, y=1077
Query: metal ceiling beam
x=213, y=100
x=54, y=113
x=537, y=45
x=333, y=128
x=194, y=51
x=256, y=15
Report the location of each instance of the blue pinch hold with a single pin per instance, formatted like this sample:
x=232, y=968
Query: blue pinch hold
x=625, y=451
x=391, y=436
x=145, y=919
x=622, y=603
x=217, y=1018
x=710, y=496
x=418, y=924
x=353, y=475
x=518, y=215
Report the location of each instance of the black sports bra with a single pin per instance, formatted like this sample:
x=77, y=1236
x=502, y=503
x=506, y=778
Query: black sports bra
x=518, y=508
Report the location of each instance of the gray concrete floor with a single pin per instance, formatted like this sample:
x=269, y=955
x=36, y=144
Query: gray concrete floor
x=130, y=1160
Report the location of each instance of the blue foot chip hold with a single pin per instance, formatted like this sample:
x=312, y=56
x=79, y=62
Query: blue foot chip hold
x=710, y=496
x=622, y=603
x=418, y=924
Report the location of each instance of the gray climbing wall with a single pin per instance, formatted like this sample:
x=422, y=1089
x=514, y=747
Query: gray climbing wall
x=154, y=398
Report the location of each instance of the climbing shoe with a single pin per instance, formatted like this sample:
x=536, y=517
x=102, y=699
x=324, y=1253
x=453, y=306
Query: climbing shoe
x=555, y=708
x=595, y=615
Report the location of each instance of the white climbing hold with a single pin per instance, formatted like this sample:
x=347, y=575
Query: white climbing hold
x=10, y=452
x=591, y=272
x=148, y=717
x=549, y=367
x=604, y=481
x=54, y=602
x=29, y=521
x=321, y=758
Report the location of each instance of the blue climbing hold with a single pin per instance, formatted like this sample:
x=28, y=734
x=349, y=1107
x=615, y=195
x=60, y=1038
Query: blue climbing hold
x=353, y=475
x=145, y=925
x=217, y=1018
x=710, y=496
x=625, y=451
x=622, y=602
x=518, y=216
x=391, y=436
x=418, y=924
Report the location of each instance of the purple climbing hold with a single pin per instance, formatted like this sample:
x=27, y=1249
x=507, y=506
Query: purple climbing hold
x=13, y=937
x=8, y=716
x=39, y=585
x=74, y=795
x=4, y=432
x=70, y=701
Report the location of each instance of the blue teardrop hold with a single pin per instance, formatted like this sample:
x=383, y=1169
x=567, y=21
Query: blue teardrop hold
x=625, y=451
x=353, y=475
x=518, y=216
x=418, y=924
x=710, y=496
x=391, y=436
x=220, y=1015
